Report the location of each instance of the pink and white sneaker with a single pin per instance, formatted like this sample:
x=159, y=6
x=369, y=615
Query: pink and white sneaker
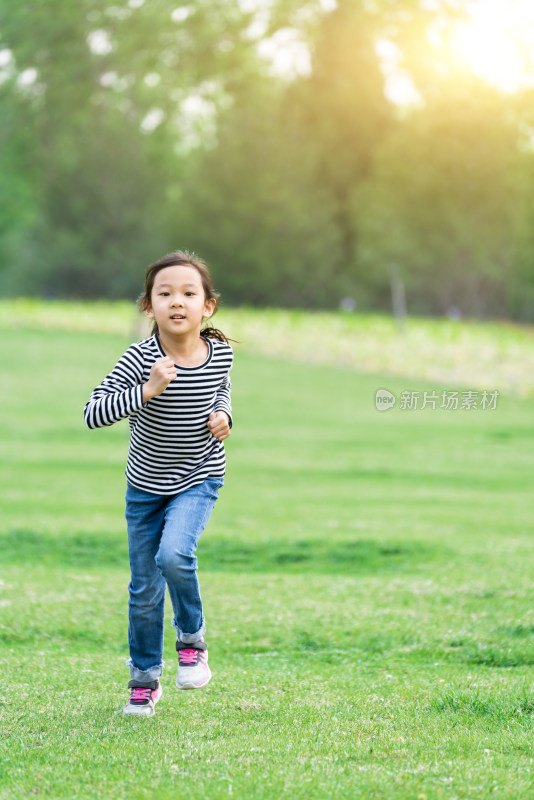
x=143, y=698
x=193, y=671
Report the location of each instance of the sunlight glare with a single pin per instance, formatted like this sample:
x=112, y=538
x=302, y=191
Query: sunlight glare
x=497, y=44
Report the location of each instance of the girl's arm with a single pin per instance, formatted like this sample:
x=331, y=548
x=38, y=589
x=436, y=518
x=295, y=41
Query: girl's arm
x=223, y=398
x=119, y=394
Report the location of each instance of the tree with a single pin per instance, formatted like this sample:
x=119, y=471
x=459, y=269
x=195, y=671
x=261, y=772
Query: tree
x=94, y=100
x=443, y=201
x=343, y=112
x=252, y=205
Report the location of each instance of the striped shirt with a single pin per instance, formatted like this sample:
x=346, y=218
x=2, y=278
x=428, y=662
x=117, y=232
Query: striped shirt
x=171, y=447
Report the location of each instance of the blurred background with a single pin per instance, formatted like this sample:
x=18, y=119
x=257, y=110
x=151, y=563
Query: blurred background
x=359, y=176
x=319, y=155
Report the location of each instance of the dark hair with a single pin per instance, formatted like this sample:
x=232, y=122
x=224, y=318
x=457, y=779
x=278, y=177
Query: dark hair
x=179, y=258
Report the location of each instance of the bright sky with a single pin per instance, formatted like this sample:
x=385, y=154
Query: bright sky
x=496, y=43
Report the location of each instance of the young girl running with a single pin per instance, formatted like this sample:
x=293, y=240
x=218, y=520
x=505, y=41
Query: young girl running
x=175, y=389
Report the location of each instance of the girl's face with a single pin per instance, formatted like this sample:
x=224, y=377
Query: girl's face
x=177, y=302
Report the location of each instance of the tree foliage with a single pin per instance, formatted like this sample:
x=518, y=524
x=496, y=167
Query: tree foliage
x=443, y=201
x=133, y=128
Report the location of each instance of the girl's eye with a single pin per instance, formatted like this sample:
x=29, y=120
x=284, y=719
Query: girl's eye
x=191, y=293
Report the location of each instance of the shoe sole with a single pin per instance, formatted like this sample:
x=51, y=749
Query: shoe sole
x=134, y=712
x=193, y=685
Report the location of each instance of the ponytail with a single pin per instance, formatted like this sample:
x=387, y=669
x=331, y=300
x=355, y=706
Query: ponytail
x=215, y=333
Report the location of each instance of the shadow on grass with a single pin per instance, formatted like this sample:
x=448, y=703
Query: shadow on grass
x=473, y=704
x=331, y=555
x=512, y=646
x=503, y=655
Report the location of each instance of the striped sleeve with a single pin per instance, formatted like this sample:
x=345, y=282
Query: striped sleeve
x=119, y=394
x=222, y=400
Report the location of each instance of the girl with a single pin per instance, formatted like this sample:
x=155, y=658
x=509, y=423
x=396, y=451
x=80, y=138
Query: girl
x=175, y=389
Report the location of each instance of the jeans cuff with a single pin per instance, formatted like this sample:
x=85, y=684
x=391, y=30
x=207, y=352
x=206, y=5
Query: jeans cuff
x=145, y=675
x=189, y=638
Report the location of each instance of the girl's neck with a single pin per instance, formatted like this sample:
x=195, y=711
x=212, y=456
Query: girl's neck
x=187, y=350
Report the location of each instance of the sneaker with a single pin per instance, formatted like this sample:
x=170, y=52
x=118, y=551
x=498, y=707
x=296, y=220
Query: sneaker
x=193, y=671
x=143, y=698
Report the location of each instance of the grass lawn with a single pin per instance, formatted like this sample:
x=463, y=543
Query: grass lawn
x=367, y=581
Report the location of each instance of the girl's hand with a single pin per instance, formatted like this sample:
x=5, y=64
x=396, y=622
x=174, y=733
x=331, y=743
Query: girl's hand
x=219, y=425
x=162, y=373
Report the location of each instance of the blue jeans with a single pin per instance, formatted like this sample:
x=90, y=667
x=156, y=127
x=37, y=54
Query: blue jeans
x=163, y=533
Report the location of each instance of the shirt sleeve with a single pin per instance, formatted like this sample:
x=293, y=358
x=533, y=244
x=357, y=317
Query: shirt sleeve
x=119, y=394
x=223, y=397
x=222, y=400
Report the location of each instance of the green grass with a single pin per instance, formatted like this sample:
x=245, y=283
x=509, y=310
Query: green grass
x=479, y=355
x=366, y=577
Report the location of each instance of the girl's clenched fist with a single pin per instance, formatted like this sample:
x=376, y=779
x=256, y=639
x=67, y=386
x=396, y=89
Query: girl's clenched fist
x=162, y=373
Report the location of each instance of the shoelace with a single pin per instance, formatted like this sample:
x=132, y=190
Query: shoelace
x=140, y=694
x=187, y=656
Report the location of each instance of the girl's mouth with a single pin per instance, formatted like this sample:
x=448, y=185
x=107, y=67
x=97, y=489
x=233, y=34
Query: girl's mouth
x=177, y=316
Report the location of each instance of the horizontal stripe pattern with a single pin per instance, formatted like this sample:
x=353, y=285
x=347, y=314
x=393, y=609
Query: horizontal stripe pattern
x=171, y=447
